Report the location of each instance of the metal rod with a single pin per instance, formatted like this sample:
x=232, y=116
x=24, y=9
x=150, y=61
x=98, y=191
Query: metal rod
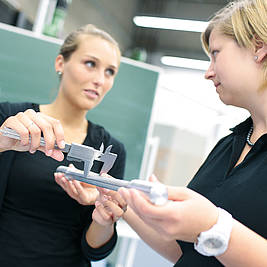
x=41, y=16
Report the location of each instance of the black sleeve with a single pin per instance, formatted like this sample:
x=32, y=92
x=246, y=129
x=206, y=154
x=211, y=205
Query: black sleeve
x=10, y=109
x=96, y=254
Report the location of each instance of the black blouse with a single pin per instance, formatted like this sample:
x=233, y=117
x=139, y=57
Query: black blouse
x=40, y=225
x=241, y=190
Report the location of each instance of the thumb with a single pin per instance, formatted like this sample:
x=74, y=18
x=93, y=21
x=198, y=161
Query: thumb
x=71, y=166
x=153, y=178
x=178, y=193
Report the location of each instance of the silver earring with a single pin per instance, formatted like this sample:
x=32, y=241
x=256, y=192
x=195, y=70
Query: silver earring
x=255, y=58
x=59, y=73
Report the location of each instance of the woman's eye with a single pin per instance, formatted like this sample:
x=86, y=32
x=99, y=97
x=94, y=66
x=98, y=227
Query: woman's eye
x=214, y=53
x=110, y=72
x=90, y=63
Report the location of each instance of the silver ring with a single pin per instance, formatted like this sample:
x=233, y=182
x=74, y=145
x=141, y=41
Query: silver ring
x=124, y=208
x=30, y=124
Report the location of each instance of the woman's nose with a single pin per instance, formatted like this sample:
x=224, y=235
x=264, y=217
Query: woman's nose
x=99, y=78
x=209, y=74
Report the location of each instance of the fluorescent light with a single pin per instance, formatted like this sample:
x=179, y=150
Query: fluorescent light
x=185, y=62
x=170, y=24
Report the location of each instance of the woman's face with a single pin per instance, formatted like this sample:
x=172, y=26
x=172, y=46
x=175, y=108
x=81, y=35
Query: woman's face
x=233, y=70
x=89, y=72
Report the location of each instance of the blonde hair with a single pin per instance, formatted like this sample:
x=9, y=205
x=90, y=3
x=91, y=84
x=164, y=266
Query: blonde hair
x=244, y=21
x=72, y=41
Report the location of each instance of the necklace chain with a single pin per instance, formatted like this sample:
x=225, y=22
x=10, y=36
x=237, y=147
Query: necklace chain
x=249, y=135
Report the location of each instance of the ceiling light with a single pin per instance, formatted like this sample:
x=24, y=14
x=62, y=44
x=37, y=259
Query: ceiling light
x=170, y=24
x=185, y=63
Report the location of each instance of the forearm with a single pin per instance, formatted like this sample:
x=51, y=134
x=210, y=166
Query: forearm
x=168, y=249
x=246, y=248
x=98, y=235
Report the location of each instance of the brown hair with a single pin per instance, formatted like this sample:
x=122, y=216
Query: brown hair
x=71, y=42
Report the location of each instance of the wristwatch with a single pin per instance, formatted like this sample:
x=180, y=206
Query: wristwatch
x=214, y=241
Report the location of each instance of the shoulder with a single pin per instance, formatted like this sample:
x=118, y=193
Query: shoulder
x=9, y=109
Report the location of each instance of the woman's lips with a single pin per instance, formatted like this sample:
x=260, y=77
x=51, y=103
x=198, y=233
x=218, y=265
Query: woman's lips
x=93, y=94
x=217, y=86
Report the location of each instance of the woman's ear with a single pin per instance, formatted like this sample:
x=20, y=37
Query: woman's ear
x=59, y=64
x=260, y=49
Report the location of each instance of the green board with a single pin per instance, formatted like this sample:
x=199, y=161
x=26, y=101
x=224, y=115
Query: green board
x=27, y=74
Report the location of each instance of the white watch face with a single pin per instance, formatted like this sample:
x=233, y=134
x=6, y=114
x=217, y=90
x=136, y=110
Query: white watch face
x=213, y=243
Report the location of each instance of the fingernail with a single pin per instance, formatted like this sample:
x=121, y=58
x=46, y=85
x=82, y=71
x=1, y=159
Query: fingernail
x=49, y=152
x=105, y=197
x=61, y=144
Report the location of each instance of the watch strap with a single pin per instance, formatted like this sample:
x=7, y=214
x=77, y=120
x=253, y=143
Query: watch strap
x=220, y=232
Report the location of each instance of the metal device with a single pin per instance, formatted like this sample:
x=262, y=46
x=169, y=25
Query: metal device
x=157, y=192
x=77, y=152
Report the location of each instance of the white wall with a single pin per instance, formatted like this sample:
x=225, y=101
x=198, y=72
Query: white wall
x=189, y=119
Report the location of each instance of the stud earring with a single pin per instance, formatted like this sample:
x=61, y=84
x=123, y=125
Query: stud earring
x=255, y=58
x=59, y=73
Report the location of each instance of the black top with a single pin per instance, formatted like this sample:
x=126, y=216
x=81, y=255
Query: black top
x=40, y=225
x=241, y=190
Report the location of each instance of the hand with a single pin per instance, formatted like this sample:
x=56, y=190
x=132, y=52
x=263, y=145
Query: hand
x=183, y=218
x=83, y=193
x=31, y=123
x=109, y=207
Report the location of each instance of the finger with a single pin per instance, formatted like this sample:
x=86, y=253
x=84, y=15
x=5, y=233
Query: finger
x=83, y=194
x=52, y=131
x=115, y=196
x=71, y=189
x=46, y=127
x=116, y=210
x=59, y=180
x=102, y=190
x=30, y=128
x=10, y=143
x=57, y=155
x=51, y=128
x=58, y=176
x=125, y=194
x=143, y=206
x=68, y=187
x=153, y=179
x=96, y=216
x=31, y=123
x=57, y=129
x=14, y=123
x=103, y=212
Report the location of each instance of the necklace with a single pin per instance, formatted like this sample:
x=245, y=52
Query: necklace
x=249, y=135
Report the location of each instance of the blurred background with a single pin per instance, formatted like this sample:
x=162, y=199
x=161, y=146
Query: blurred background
x=188, y=117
